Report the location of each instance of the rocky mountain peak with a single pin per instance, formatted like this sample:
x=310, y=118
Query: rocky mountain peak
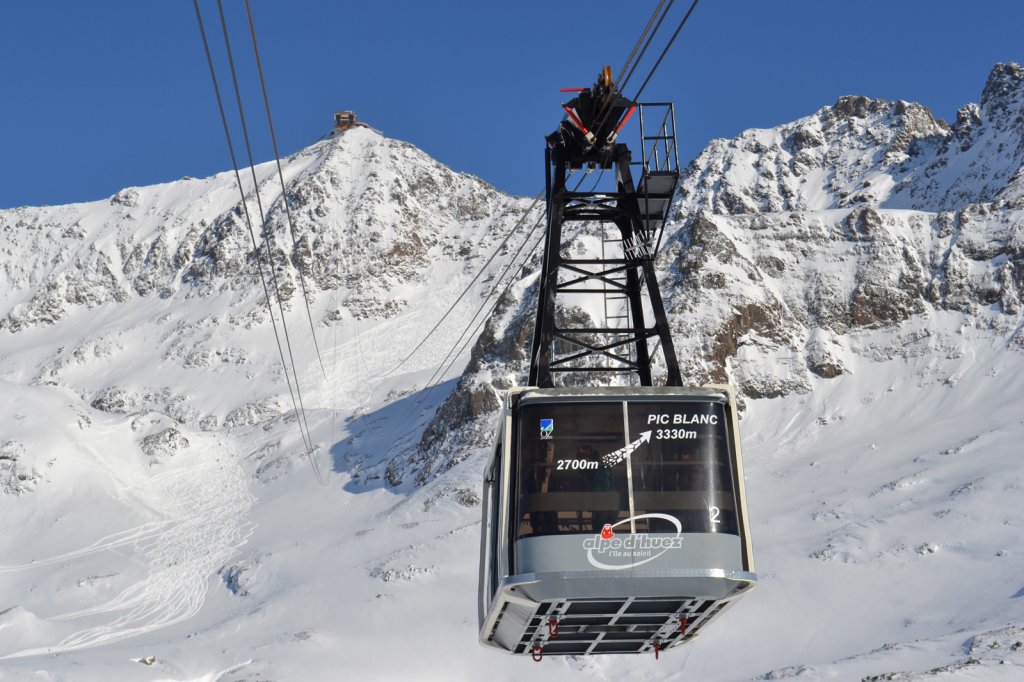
x=1004, y=92
x=370, y=214
x=858, y=106
x=168, y=274
x=870, y=152
x=893, y=126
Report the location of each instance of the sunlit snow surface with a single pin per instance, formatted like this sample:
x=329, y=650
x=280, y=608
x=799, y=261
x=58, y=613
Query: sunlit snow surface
x=886, y=504
x=886, y=521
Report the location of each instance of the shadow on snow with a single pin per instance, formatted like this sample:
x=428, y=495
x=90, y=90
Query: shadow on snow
x=373, y=439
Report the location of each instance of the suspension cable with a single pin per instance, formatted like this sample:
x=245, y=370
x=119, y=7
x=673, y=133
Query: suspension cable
x=665, y=51
x=650, y=38
x=468, y=287
x=456, y=350
x=494, y=305
x=252, y=235
x=245, y=205
x=469, y=333
x=284, y=192
x=268, y=236
x=623, y=79
x=606, y=110
x=452, y=355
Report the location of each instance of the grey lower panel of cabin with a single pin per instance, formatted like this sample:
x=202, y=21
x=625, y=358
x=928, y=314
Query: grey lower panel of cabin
x=627, y=554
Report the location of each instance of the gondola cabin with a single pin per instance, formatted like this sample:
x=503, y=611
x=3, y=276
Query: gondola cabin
x=614, y=520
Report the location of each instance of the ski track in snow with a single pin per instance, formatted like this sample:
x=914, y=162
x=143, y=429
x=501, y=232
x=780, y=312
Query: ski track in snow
x=206, y=508
x=130, y=536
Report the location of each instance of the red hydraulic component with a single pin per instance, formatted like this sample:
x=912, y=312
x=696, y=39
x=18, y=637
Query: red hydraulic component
x=576, y=120
x=625, y=118
x=615, y=133
x=579, y=124
x=657, y=650
x=537, y=652
x=682, y=626
x=573, y=89
x=553, y=628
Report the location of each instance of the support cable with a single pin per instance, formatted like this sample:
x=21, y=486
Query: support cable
x=665, y=51
x=622, y=81
x=494, y=305
x=293, y=392
x=626, y=79
x=469, y=286
x=469, y=333
x=245, y=206
x=623, y=76
x=456, y=349
x=268, y=236
x=284, y=192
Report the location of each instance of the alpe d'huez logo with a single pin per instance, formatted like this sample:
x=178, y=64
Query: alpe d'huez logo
x=547, y=428
x=612, y=552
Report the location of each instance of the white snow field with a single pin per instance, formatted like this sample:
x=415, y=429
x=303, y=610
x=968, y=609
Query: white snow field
x=885, y=508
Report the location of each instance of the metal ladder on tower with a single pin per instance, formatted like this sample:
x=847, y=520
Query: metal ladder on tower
x=616, y=301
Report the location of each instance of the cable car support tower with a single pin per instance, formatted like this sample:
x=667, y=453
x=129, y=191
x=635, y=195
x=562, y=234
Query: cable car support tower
x=587, y=139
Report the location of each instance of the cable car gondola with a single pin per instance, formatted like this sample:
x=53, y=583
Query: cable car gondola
x=614, y=520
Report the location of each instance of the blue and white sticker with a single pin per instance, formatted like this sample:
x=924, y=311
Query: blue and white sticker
x=547, y=427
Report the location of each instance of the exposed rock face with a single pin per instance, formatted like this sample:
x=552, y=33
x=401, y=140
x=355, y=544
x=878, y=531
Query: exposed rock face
x=788, y=245
x=163, y=443
x=14, y=479
x=845, y=155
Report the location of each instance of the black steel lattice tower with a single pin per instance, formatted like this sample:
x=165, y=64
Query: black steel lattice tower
x=637, y=210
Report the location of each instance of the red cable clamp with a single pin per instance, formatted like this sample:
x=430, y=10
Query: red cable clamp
x=537, y=652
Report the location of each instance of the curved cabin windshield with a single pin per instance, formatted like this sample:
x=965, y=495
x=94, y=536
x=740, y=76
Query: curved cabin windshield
x=639, y=466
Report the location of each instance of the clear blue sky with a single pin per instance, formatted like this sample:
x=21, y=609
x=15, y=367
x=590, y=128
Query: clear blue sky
x=97, y=96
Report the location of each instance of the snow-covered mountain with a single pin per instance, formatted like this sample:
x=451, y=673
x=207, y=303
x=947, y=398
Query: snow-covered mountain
x=865, y=152
x=858, y=274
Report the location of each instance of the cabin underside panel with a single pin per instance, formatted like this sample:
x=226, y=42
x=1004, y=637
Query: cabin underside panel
x=586, y=627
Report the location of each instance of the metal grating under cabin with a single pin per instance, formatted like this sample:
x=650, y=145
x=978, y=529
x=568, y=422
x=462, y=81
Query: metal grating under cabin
x=615, y=626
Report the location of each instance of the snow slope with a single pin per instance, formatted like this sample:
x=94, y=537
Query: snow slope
x=163, y=522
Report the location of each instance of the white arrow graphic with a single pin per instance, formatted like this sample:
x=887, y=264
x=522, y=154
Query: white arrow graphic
x=613, y=458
